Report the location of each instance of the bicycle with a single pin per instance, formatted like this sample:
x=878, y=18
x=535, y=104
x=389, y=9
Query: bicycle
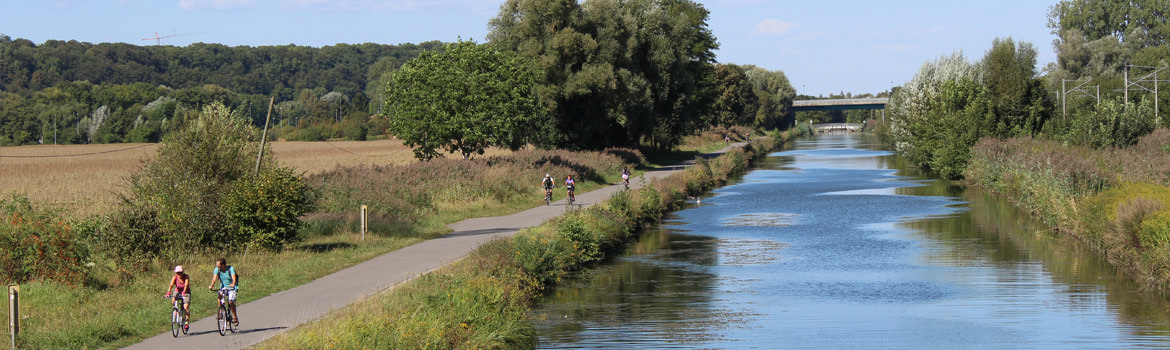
x=179, y=317
x=548, y=196
x=223, y=318
x=571, y=197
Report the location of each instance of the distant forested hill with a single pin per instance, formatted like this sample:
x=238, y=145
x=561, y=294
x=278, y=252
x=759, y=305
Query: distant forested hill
x=78, y=92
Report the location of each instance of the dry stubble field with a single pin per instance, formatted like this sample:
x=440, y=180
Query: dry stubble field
x=85, y=179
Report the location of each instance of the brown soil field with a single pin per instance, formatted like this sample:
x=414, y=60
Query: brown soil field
x=85, y=179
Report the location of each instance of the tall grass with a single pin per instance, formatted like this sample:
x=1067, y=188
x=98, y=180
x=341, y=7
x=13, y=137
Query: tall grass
x=482, y=302
x=1116, y=200
x=432, y=194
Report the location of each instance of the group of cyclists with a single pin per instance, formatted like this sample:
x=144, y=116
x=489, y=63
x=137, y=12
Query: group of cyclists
x=223, y=276
x=548, y=183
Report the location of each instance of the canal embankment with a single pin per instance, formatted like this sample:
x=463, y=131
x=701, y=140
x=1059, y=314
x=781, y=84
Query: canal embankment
x=1116, y=201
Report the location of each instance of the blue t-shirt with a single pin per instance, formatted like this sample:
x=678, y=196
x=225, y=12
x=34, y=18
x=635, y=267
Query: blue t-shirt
x=225, y=277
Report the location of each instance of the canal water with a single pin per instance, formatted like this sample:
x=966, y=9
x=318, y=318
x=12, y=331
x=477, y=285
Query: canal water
x=836, y=243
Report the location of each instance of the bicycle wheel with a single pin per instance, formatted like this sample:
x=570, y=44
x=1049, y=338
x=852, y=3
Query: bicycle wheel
x=176, y=322
x=184, y=318
x=221, y=320
x=231, y=322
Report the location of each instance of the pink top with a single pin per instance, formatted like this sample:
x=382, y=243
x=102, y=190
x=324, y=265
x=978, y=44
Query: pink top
x=182, y=285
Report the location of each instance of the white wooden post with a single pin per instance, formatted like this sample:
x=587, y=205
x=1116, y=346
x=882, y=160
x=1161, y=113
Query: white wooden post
x=13, y=312
x=363, y=222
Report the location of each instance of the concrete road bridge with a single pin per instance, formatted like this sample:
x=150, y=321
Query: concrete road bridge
x=839, y=104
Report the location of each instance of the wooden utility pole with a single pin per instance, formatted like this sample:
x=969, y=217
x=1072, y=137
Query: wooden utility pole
x=264, y=136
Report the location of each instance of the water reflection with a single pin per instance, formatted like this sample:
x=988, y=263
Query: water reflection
x=838, y=244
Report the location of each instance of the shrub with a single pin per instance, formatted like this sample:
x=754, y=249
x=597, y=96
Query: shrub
x=132, y=235
x=1112, y=123
x=266, y=209
x=183, y=199
x=38, y=244
x=541, y=256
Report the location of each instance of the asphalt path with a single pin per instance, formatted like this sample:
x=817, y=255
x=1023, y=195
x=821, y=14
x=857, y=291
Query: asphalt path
x=281, y=311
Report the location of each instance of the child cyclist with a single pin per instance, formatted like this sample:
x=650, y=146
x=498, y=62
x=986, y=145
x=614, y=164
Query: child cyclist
x=181, y=283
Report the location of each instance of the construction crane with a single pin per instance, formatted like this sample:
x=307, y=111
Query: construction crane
x=158, y=39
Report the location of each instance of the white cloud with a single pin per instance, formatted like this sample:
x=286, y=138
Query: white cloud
x=214, y=4
x=771, y=27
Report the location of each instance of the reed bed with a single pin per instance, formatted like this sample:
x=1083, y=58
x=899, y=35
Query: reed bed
x=1115, y=200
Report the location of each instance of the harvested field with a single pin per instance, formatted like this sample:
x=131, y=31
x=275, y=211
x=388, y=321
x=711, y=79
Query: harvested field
x=84, y=179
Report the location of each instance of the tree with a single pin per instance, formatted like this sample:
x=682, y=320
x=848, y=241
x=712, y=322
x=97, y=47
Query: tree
x=775, y=95
x=735, y=96
x=1018, y=97
x=615, y=73
x=464, y=99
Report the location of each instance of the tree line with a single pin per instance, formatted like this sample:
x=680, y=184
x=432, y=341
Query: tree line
x=952, y=102
x=77, y=92
x=607, y=74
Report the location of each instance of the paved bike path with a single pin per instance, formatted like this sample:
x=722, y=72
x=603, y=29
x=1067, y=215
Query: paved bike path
x=276, y=313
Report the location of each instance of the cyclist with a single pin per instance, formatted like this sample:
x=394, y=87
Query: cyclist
x=226, y=275
x=626, y=177
x=569, y=186
x=181, y=282
x=548, y=184
x=726, y=140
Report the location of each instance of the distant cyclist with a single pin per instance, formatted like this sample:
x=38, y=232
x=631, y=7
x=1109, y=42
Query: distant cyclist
x=570, y=185
x=226, y=275
x=181, y=283
x=548, y=184
x=626, y=177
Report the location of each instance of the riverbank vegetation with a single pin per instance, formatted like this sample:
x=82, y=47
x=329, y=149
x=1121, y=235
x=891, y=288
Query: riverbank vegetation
x=1116, y=200
x=482, y=301
x=1093, y=166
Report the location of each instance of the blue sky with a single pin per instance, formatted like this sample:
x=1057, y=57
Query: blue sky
x=824, y=46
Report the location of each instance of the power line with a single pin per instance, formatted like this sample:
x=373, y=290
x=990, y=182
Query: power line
x=80, y=154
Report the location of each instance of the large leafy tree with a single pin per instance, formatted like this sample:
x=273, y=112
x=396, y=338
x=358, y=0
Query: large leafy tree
x=736, y=100
x=775, y=95
x=464, y=99
x=1018, y=97
x=614, y=72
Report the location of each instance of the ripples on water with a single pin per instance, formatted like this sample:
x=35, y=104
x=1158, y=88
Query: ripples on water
x=837, y=245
